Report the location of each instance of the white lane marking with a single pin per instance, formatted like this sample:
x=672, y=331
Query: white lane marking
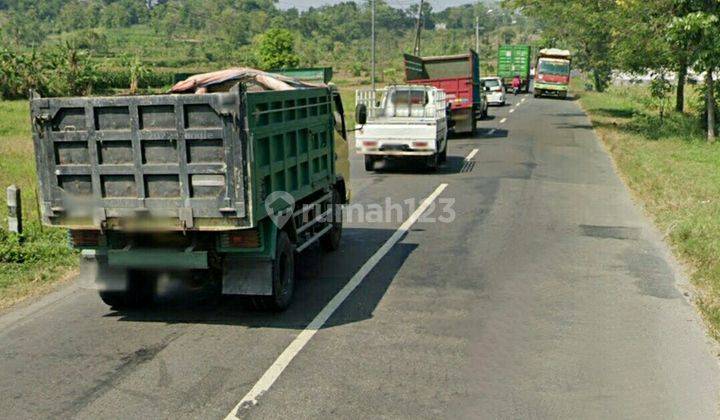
x=282, y=362
x=471, y=155
x=512, y=110
x=522, y=100
x=503, y=120
x=491, y=132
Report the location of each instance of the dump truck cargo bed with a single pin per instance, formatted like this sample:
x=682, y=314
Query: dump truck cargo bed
x=191, y=161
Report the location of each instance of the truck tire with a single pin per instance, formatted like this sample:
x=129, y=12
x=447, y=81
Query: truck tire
x=331, y=240
x=140, y=292
x=283, y=277
x=473, y=124
x=443, y=155
x=369, y=163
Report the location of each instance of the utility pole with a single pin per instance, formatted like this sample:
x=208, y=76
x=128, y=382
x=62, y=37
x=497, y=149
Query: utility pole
x=372, y=49
x=477, y=34
x=418, y=29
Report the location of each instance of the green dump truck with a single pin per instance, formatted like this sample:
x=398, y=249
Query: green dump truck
x=227, y=187
x=514, y=60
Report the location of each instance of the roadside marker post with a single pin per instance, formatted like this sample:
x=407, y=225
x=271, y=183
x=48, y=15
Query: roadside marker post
x=14, y=203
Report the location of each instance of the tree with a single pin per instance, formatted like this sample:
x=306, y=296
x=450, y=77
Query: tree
x=701, y=29
x=74, y=73
x=659, y=89
x=581, y=26
x=642, y=43
x=276, y=50
x=136, y=70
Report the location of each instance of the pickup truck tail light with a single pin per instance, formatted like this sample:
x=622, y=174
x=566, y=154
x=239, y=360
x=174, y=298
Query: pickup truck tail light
x=369, y=143
x=420, y=144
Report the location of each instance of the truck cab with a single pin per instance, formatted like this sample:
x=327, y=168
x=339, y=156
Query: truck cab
x=552, y=74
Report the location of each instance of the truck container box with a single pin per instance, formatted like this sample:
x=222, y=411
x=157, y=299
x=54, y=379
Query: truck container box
x=514, y=60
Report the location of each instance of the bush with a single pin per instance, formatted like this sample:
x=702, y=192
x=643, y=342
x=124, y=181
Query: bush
x=47, y=245
x=60, y=71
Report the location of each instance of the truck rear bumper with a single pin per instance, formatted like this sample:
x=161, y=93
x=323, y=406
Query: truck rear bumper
x=395, y=153
x=547, y=86
x=158, y=259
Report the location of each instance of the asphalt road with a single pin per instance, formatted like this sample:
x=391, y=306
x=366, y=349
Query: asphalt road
x=548, y=296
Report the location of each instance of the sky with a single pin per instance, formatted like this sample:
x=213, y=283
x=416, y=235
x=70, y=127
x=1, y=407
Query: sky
x=436, y=4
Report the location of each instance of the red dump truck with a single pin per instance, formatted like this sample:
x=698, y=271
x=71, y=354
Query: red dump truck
x=459, y=77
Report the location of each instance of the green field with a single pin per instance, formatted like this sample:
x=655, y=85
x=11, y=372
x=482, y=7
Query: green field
x=676, y=175
x=43, y=257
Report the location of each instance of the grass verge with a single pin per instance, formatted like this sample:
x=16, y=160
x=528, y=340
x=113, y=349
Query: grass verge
x=33, y=263
x=674, y=172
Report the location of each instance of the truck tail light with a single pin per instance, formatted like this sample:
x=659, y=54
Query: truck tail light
x=420, y=144
x=369, y=143
x=85, y=238
x=243, y=239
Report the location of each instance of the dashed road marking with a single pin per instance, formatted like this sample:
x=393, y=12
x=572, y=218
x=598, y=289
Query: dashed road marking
x=491, y=132
x=282, y=362
x=522, y=100
x=512, y=110
x=471, y=155
x=503, y=120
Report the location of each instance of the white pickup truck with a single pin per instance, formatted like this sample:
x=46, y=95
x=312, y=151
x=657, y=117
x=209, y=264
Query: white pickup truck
x=408, y=122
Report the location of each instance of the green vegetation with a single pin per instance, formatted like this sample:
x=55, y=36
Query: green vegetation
x=44, y=254
x=674, y=172
x=658, y=37
x=188, y=36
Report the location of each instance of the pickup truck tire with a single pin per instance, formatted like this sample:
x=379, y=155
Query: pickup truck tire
x=283, y=277
x=443, y=155
x=432, y=162
x=331, y=240
x=369, y=163
x=139, y=293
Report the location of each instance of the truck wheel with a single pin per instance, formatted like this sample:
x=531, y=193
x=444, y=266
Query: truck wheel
x=369, y=163
x=443, y=155
x=140, y=292
x=473, y=124
x=331, y=240
x=283, y=277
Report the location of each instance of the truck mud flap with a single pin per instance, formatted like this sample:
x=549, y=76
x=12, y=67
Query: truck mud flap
x=96, y=274
x=247, y=276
